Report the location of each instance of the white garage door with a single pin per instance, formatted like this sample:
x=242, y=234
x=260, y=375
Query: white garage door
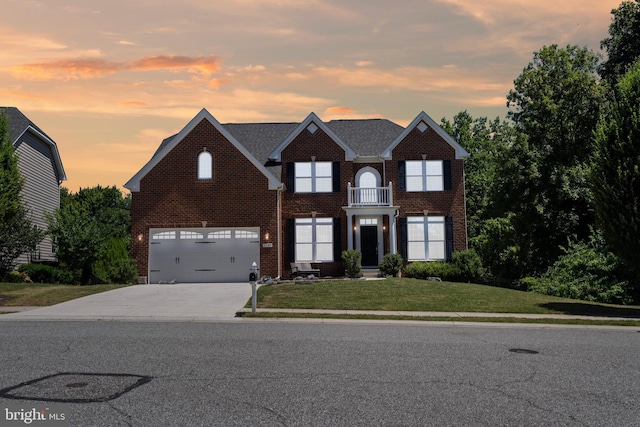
x=188, y=255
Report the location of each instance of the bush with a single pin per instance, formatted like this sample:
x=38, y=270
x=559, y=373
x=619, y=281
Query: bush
x=42, y=273
x=116, y=266
x=16, y=277
x=424, y=270
x=391, y=264
x=586, y=272
x=352, y=261
x=469, y=265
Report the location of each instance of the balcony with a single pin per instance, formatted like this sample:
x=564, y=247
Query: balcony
x=369, y=196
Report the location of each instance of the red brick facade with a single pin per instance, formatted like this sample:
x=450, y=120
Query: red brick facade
x=239, y=195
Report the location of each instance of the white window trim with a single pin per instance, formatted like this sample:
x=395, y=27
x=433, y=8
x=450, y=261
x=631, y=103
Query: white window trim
x=314, y=177
x=424, y=176
x=424, y=220
x=314, y=222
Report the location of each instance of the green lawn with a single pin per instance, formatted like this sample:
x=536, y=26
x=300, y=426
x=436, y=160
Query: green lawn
x=419, y=295
x=14, y=294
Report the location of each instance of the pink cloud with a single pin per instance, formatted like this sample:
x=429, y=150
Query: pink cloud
x=88, y=68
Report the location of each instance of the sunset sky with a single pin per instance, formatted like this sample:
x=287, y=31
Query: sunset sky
x=108, y=80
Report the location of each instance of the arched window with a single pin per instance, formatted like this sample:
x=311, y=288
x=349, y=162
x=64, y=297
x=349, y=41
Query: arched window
x=205, y=165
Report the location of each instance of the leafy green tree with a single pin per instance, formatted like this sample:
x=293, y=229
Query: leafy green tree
x=555, y=103
x=17, y=234
x=623, y=43
x=77, y=238
x=486, y=141
x=615, y=175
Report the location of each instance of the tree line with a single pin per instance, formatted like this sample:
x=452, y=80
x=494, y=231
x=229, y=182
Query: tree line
x=553, y=191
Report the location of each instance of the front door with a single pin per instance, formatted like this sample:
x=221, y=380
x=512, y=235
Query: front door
x=369, y=245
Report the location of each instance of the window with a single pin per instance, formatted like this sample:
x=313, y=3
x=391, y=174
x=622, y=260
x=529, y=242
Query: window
x=424, y=175
x=313, y=177
x=164, y=235
x=244, y=234
x=205, y=165
x=314, y=239
x=190, y=235
x=223, y=234
x=426, y=237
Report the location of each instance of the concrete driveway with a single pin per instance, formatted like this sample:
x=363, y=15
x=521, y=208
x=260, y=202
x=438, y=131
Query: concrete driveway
x=179, y=302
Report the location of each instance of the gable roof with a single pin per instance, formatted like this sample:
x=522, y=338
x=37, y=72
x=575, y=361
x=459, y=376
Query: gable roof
x=423, y=117
x=349, y=154
x=169, y=143
x=19, y=124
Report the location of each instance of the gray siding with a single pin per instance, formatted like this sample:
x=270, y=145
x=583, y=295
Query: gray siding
x=41, y=191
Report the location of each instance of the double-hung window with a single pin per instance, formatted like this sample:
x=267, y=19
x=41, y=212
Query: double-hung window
x=424, y=175
x=426, y=238
x=313, y=177
x=314, y=239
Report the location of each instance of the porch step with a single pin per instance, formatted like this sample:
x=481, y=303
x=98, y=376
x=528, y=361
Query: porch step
x=370, y=273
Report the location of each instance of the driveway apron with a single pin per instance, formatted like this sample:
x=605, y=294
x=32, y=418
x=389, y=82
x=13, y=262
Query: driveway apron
x=175, y=302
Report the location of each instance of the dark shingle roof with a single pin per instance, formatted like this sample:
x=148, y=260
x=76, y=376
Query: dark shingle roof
x=368, y=137
x=18, y=122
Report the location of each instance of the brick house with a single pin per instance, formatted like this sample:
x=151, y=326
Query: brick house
x=214, y=198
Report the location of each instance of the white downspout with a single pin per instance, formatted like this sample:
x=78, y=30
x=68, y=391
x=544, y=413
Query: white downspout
x=279, y=225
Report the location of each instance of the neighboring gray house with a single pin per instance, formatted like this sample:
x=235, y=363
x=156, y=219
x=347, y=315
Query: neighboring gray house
x=40, y=164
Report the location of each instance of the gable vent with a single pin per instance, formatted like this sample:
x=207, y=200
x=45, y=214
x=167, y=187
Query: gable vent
x=312, y=128
x=422, y=126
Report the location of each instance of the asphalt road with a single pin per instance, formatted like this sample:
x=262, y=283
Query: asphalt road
x=251, y=373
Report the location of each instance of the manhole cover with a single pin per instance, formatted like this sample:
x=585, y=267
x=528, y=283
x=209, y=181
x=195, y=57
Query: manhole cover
x=522, y=351
x=75, y=387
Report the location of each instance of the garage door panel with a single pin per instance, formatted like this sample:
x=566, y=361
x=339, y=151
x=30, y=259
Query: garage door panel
x=202, y=255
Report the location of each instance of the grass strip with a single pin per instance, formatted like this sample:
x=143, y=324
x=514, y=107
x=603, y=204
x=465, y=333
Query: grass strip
x=552, y=321
x=32, y=294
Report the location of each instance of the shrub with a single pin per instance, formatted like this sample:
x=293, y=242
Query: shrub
x=424, y=270
x=17, y=277
x=42, y=273
x=116, y=266
x=391, y=264
x=469, y=265
x=352, y=261
x=586, y=272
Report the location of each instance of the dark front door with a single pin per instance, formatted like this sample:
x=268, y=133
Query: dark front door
x=369, y=245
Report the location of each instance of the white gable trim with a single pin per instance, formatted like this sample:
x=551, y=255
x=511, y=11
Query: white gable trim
x=349, y=154
x=461, y=153
x=57, y=160
x=134, y=183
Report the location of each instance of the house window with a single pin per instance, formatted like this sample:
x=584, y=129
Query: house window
x=426, y=238
x=190, y=235
x=314, y=239
x=313, y=177
x=205, y=165
x=424, y=175
x=244, y=234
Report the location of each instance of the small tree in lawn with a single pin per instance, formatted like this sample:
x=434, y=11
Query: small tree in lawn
x=17, y=234
x=352, y=261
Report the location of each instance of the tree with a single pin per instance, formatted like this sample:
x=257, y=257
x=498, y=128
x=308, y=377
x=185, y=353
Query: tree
x=485, y=141
x=91, y=234
x=555, y=103
x=17, y=234
x=77, y=238
x=623, y=43
x=615, y=177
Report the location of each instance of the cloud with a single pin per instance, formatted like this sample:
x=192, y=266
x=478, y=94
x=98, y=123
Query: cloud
x=88, y=68
x=126, y=43
x=340, y=111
